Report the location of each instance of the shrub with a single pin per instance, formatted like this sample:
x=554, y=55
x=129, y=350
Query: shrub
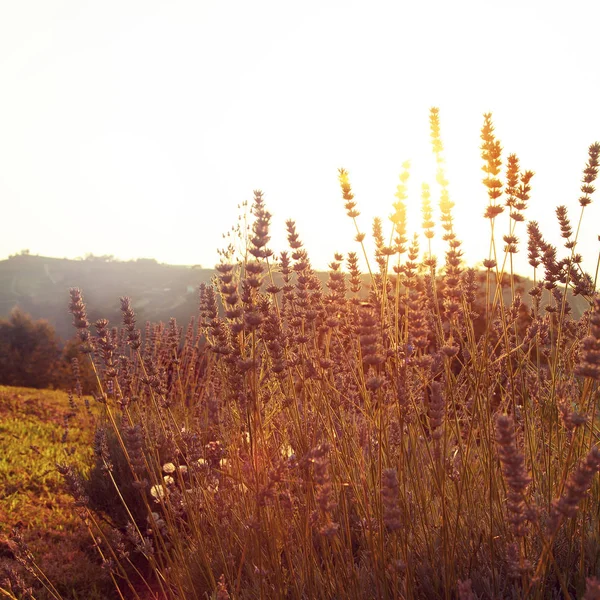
x=31, y=356
x=29, y=351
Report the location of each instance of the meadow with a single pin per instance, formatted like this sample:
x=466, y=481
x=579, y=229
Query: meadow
x=33, y=498
x=428, y=435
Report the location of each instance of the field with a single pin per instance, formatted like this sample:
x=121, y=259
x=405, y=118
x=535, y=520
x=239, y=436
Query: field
x=411, y=428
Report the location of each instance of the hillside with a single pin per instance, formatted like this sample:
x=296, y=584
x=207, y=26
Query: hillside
x=40, y=286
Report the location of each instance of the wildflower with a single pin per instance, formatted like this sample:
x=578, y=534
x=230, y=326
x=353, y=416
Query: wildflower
x=436, y=408
x=74, y=483
x=569, y=417
x=565, y=225
x=133, y=335
x=513, y=471
x=589, y=174
x=426, y=211
x=134, y=443
x=399, y=216
x=589, y=359
x=436, y=417
x=15, y=582
x=369, y=339
x=453, y=254
x=76, y=376
x=347, y=194
x=354, y=271
x=517, y=191
x=142, y=544
x=517, y=565
x=512, y=179
x=169, y=468
x=77, y=309
x=491, y=151
x=469, y=286
x=260, y=229
x=286, y=451
x=325, y=491
x=465, y=592
x=101, y=449
x=575, y=489
x=157, y=492
x=222, y=593
x=592, y=589
x=154, y=518
x=392, y=516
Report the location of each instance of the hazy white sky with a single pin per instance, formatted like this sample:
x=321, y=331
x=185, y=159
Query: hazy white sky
x=136, y=128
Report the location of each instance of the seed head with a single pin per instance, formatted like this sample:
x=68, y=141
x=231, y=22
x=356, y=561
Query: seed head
x=514, y=473
x=589, y=357
x=390, y=490
x=576, y=488
x=589, y=174
x=77, y=309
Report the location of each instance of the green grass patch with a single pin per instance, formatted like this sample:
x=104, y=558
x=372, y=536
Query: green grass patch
x=33, y=496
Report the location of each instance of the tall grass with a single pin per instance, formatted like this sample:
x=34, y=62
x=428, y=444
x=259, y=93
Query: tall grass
x=410, y=434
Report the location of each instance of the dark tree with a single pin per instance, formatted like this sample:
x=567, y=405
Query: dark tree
x=29, y=351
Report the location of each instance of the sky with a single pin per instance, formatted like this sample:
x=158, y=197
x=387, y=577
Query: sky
x=138, y=128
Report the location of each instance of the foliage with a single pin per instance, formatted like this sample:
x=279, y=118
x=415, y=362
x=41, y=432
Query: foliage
x=29, y=351
x=30, y=356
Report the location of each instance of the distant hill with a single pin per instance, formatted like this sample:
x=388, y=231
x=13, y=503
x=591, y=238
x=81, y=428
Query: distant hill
x=40, y=286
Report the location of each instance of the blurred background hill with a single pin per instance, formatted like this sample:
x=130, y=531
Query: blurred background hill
x=39, y=286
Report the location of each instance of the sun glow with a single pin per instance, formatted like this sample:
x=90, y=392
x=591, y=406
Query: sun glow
x=167, y=117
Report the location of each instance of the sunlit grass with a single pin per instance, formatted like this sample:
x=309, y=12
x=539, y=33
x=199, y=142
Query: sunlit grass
x=34, y=498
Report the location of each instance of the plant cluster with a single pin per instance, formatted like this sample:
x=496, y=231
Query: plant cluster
x=359, y=440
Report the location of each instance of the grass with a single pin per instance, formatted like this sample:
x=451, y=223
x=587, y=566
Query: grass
x=419, y=437
x=34, y=498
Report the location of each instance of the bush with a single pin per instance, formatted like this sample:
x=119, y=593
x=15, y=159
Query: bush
x=31, y=356
x=29, y=351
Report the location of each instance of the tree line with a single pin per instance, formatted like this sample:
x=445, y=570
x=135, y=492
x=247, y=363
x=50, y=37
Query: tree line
x=33, y=355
